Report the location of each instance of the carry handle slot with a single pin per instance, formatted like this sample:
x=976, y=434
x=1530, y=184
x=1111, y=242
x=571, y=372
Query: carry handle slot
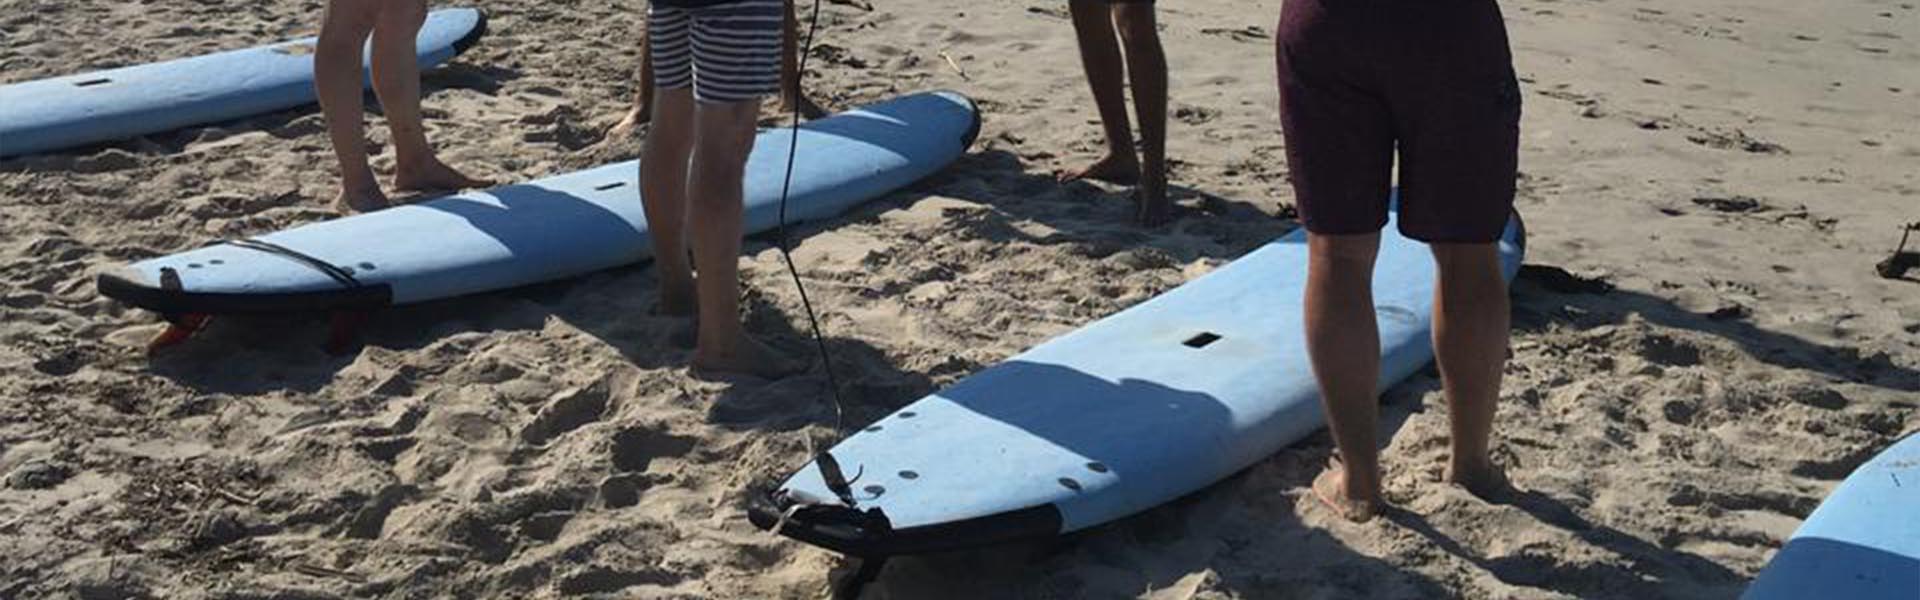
x=1202, y=340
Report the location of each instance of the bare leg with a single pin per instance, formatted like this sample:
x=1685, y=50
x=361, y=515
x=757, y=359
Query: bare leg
x=723, y=137
x=642, y=109
x=1100, y=55
x=1470, y=342
x=396, y=79
x=791, y=96
x=1343, y=341
x=1147, y=70
x=663, y=194
x=337, y=82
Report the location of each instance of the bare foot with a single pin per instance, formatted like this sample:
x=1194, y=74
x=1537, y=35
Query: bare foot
x=1151, y=204
x=1485, y=481
x=748, y=357
x=636, y=117
x=1113, y=168
x=1330, y=488
x=808, y=109
x=360, y=201
x=434, y=176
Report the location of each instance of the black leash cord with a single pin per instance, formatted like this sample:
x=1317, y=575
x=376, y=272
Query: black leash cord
x=830, y=468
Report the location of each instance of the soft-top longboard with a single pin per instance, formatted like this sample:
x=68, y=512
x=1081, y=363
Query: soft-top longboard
x=1129, y=412
x=1862, y=543
x=542, y=230
x=103, y=106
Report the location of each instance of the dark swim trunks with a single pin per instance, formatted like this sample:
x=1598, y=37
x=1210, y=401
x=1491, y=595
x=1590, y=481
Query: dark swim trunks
x=1433, y=78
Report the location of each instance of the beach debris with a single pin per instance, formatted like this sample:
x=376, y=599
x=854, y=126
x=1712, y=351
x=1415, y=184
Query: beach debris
x=955, y=65
x=1733, y=204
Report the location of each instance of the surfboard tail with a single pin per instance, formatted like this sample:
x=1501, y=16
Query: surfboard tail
x=869, y=534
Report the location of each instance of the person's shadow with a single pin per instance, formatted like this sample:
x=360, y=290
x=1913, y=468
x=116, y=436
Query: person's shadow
x=1651, y=571
x=1599, y=303
x=1095, y=221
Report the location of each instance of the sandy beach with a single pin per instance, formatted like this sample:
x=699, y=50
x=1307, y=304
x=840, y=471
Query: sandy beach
x=1702, y=349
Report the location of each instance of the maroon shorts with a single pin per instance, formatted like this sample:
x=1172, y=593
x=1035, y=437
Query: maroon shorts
x=1432, y=78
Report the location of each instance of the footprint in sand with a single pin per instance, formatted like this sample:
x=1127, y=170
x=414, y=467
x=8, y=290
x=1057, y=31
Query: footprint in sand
x=1835, y=468
x=1195, y=115
x=634, y=448
x=567, y=411
x=1050, y=11
x=1731, y=204
x=1734, y=139
x=1249, y=34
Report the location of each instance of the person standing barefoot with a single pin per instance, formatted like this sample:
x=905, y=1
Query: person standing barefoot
x=1434, y=82
x=790, y=95
x=1144, y=63
x=392, y=25
x=714, y=61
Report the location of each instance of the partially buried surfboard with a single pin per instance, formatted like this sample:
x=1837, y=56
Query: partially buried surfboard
x=542, y=230
x=103, y=106
x=1134, y=410
x=1862, y=543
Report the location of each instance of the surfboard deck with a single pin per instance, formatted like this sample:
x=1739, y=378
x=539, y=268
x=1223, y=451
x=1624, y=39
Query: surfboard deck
x=103, y=106
x=1861, y=543
x=1131, y=411
x=543, y=230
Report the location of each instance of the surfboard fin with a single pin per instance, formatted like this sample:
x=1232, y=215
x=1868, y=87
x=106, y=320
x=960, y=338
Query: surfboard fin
x=854, y=583
x=343, y=331
x=1897, y=265
x=179, y=328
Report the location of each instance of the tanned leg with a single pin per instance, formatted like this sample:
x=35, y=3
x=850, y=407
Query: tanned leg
x=1470, y=329
x=1343, y=341
x=1106, y=76
x=337, y=82
x=791, y=96
x=723, y=137
x=1147, y=71
x=664, y=160
x=642, y=109
x=396, y=79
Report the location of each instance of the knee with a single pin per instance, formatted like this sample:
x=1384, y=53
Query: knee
x=718, y=162
x=1466, y=258
x=1136, y=24
x=405, y=16
x=345, y=32
x=1346, y=253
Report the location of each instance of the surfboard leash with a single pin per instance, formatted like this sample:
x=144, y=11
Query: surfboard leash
x=830, y=470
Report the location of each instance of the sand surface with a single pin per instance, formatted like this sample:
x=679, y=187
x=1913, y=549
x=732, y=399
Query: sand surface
x=1702, y=349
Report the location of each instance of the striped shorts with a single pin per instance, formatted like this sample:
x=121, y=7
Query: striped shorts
x=726, y=52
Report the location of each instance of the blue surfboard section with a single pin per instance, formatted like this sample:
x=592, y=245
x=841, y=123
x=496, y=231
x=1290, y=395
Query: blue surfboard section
x=103, y=106
x=1862, y=543
x=1129, y=412
x=542, y=230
